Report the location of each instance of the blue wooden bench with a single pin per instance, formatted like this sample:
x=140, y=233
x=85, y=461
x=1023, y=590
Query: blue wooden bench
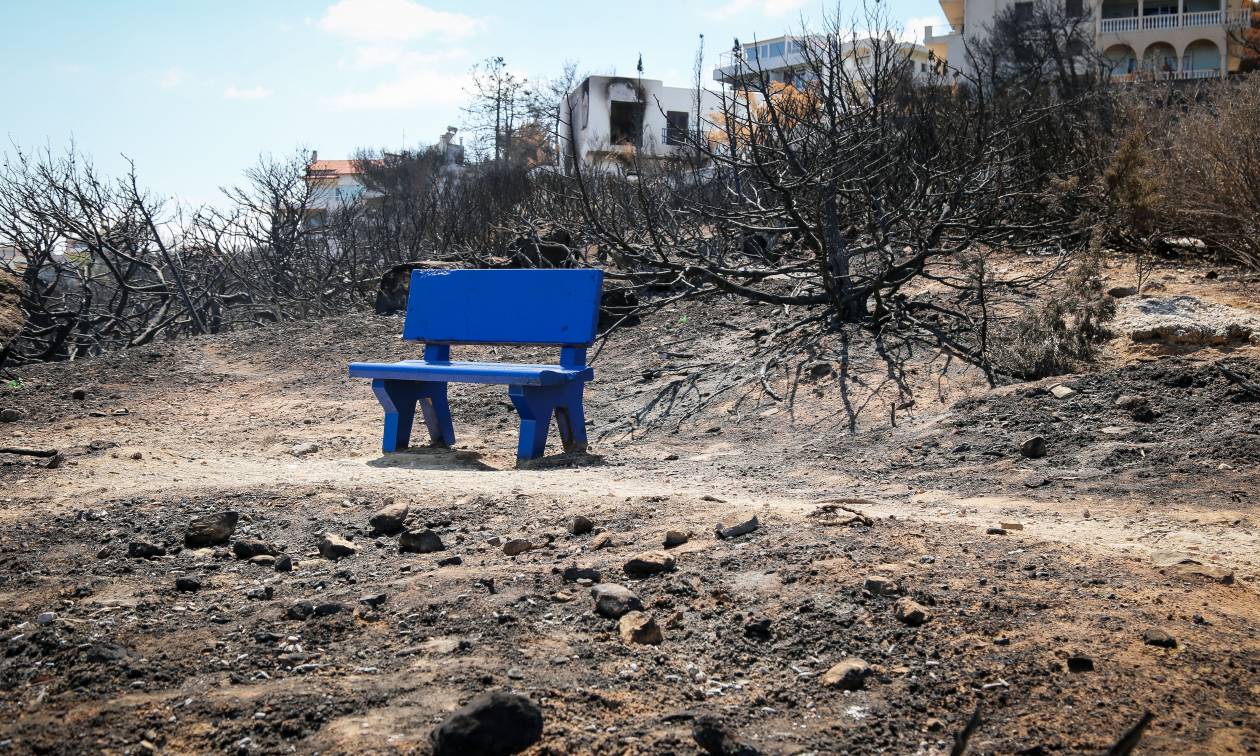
x=511, y=307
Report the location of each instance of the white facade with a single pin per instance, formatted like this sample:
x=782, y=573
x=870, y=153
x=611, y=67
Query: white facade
x=611, y=120
x=1161, y=39
x=785, y=59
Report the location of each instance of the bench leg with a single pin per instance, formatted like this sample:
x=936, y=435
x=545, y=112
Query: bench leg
x=399, y=399
x=571, y=418
x=535, y=405
x=437, y=414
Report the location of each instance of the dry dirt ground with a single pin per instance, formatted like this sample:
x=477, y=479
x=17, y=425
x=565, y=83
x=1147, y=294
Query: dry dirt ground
x=1133, y=521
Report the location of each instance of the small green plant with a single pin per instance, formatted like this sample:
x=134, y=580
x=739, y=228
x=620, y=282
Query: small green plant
x=15, y=383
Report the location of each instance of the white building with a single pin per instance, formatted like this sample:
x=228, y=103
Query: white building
x=1161, y=39
x=786, y=59
x=609, y=121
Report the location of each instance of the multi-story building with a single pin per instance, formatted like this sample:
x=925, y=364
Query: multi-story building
x=1161, y=39
x=610, y=121
x=785, y=59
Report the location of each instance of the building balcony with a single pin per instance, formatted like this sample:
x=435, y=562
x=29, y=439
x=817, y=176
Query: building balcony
x=1161, y=22
x=736, y=66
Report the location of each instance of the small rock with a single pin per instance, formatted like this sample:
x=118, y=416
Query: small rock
x=1138, y=407
x=639, y=627
x=602, y=541
x=144, y=550
x=334, y=547
x=1080, y=663
x=420, y=542
x=613, y=601
x=877, y=585
x=492, y=723
x=249, y=549
x=1062, y=391
x=581, y=525
x=911, y=612
x=10, y=415
x=1011, y=526
x=391, y=519
x=300, y=611
x=995, y=531
x=79, y=394
x=450, y=561
x=848, y=674
x=187, y=584
x=574, y=573
x=46, y=618
x=736, y=525
x=650, y=563
x=517, y=546
x=211, y=530
x=757, y=629
x=1157, y=636
x=284, y=563
x=302, y=450
x=675, y=538
x=714, y=739
x=263, y=560
x=1033, y=448
x=374, y=600
x=1120, y=292
x=330, y=608
x=261, y=593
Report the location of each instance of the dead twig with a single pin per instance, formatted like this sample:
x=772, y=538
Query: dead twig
x=52, y=455
x=961, y=739
x=1240, y=380
x=1129, y=740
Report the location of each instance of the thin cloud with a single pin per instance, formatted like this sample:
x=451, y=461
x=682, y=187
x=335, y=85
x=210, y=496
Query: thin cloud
x=394, y=21
x=171, y=78
x=408, y=90
x=258, y=92
x=770, y=8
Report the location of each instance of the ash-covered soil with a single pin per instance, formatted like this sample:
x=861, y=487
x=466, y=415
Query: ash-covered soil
x=1066, y=593
x=1050, y=644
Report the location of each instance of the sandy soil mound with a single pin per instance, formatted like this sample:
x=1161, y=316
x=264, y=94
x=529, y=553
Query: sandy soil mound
x=1186, y=319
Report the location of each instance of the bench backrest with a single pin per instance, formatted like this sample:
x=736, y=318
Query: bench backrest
x=549, y=307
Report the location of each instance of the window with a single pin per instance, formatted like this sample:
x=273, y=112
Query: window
x=750, y=52
x=676, y=128
x=625, y=122
x=776, y=49
x=1075, y=8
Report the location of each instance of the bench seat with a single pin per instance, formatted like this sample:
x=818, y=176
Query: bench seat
x=512, y=374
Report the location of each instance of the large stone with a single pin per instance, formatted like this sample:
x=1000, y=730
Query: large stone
x=390, y=519
x=649, y=563
x=575, y=572
x=675, y=538
x=211, y=530
x=736, y=525
x=911, y=612
x=1157, y=636
x=878, y=585
x=517, y=546
x=1033, y=448
x=612, y=600
x=716, y=740
x=334, y=547
x=144, y=550
x=1062, y=391
x=639, y=627
x=420, y=542
x=849, y=674
x=580, y=525
x=249, y=549
x=492, y=723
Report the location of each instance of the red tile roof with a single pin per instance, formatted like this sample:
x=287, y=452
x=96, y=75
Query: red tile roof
x=333, y=167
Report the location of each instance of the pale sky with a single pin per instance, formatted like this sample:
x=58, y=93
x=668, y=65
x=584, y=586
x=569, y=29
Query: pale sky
x=194, y=90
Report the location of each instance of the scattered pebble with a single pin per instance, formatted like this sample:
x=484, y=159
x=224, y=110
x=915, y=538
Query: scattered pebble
x=640, y=627
x=848, y=674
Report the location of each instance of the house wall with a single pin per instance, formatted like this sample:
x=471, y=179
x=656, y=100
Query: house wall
x=588, y=109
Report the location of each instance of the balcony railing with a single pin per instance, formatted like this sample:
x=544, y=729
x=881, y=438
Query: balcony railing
x=1174, y=21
